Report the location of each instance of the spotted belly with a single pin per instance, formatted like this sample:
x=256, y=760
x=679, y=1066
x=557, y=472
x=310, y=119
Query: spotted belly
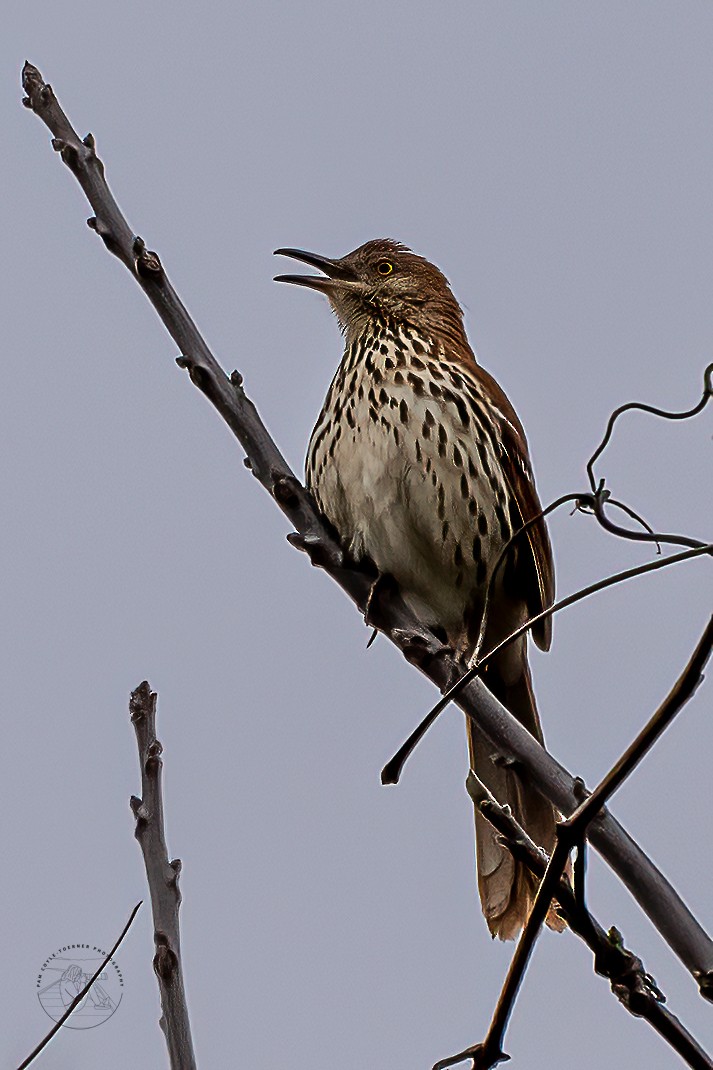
x=407, y=478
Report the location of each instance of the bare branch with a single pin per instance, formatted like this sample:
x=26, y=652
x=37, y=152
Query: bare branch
x=631, y=984
x=419, y=645
x=394, y=767
x=80, y=995
x=631, y=405
x=162, y=878
x=601, y=499
x=681, y=692
x=490, y=1052
x=570, y=834
x=613, y=504
x=592, y=503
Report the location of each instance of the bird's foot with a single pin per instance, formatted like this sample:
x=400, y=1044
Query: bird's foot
x=382, y=589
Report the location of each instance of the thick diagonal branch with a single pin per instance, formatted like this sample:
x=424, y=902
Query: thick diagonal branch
x=648, y=886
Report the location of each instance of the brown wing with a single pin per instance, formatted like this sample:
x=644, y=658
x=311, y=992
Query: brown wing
x=536, y=568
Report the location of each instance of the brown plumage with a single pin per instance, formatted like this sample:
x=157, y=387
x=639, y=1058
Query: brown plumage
x=420, y=462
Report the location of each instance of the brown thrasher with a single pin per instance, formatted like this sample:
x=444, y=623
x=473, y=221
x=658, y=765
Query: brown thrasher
x=420, y=463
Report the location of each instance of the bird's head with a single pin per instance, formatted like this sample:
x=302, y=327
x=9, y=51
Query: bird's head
x=382, y=281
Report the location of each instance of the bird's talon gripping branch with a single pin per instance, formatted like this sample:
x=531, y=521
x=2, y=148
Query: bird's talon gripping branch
x=381, y=590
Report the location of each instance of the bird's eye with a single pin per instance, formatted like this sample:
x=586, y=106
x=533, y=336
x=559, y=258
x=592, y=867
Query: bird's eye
x=384, y=267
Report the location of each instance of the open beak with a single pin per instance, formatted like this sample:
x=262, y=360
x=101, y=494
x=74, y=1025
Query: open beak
x=336, y=275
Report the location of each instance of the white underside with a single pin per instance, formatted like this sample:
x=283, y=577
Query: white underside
x=380, y=495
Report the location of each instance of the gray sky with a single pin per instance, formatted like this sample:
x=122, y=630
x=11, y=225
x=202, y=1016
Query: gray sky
x=555, y=160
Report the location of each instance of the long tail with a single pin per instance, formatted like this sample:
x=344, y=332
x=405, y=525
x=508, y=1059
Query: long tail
x=507, y=888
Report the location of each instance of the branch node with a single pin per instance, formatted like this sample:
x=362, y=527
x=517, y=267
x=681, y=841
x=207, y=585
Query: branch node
x=580, y=789
x=284, y=490
x=164, y=961
x=152, y=764
x=39, y=93
x=295, y=538
x=140, y=702
x=199, y=375
x=154, y=749
x=89, y=141
x=139, y=810
x=705, y=980
x=148, y=264
x=320, y=554
x=236, y=379
x=417, y=648
x=505, y=761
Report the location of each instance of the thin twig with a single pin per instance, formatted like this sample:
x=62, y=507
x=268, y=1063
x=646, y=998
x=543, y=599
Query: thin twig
x=599, y=507
x=596, y=501
x=490, y=586
x=394, y=767
x=80, y=995
x=162, y=877
x=631, y=984
x=570, y=834
x=614, y=504
x=418, y=643
x=595, y=504
x=681, y=692
x=631, y=405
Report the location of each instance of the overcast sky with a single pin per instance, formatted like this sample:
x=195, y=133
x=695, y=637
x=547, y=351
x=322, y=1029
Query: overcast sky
x=555, y=159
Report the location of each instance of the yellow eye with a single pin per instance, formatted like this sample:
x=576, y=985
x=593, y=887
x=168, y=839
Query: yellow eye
x=384, y=267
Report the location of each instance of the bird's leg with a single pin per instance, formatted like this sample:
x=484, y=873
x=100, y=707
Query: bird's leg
x=381, y=590
x=461, y=661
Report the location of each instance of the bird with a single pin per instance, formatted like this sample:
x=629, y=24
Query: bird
x=421, y=465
